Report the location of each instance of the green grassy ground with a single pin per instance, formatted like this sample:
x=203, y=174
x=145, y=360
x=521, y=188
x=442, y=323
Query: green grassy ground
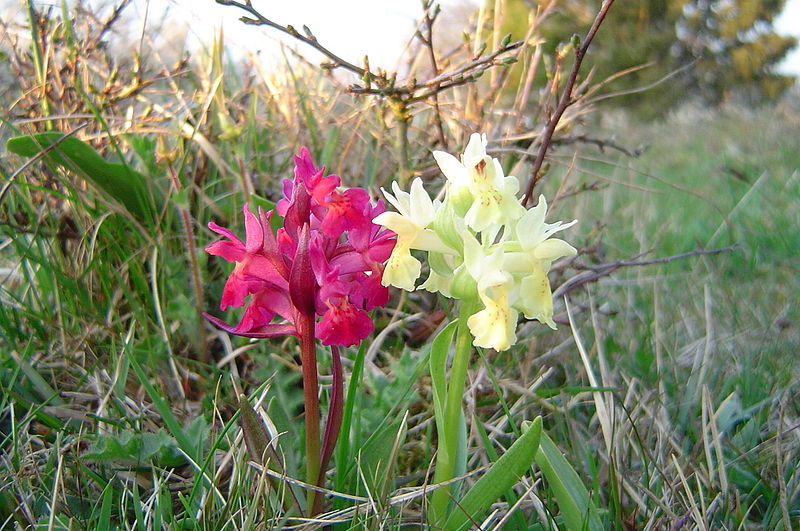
x=119, y=404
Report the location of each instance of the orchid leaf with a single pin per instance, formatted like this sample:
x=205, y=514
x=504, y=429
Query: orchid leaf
x=124, y=185
x=573, y=499
x=136, y=449
x=439, y=349
x=502, y=475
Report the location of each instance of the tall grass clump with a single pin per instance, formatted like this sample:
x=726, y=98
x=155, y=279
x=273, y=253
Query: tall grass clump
x=667, y=398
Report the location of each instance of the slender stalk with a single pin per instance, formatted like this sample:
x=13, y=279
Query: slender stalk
x=565, y=101
x=196, y=281
x=402, y=148
x=308, y=357
x=343, y=448
x=334, y=422
x=446, y=456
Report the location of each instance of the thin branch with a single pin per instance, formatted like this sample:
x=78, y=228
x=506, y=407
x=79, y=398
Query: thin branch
x=463, y=74
x=309, y=38
x=643, y=88
x=593, y=273
x=601, y=143
x=381, y=83
x=427, y=40
x=112, y=18
x=566, y=100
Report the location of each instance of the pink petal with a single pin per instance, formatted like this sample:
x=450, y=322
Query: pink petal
x=348, y=261
x=270, y=245
x=236, y=289
x=344, y=325
x=323, y=185
x=304, y=168
x=375, y=294
x=276, y=301
x=346, y=210
x=271, y=330
x=255, y=317
x=222, y=231
x=254, y=235
x=382, y=247
x=230, y=251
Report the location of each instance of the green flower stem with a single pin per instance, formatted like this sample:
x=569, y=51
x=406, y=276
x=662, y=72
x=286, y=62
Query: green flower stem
x=446, y=454
x=308, y=358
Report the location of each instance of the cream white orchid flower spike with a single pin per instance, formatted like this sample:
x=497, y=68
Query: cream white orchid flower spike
x=415, y=212
x=467, y=260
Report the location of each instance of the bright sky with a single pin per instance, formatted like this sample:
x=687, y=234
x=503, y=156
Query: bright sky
x=789, y=24
x=352, y=28
x=349, y=28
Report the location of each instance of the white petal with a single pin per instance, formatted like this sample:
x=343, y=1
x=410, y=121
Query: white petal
x=437, y=282
x=473, y=255
x=399, y=200
x=494, y=327
x=422, y=211
x=498, y=179
x=530, y=227
x=536, y=299
x=451, y=168
x=405, y=228
x=475, y=150
x=402, y=270
x=553, y=249
x=510, y=185
x=558, y=227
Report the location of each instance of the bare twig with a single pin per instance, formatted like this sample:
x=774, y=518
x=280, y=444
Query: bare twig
x=260, y=20
x=112, y=19
x=565, y=101
x=385, y=84
x=592, y=273
x=601, y=143
x=427, y=40
x=465, y=73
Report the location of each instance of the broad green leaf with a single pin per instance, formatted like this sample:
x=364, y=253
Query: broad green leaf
x=104, y=519
x=259, y=201
x=275, y=221
x=573, y=499
x=439, y=349
x=502, y=475
x=121, y=183
x=491, y=453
